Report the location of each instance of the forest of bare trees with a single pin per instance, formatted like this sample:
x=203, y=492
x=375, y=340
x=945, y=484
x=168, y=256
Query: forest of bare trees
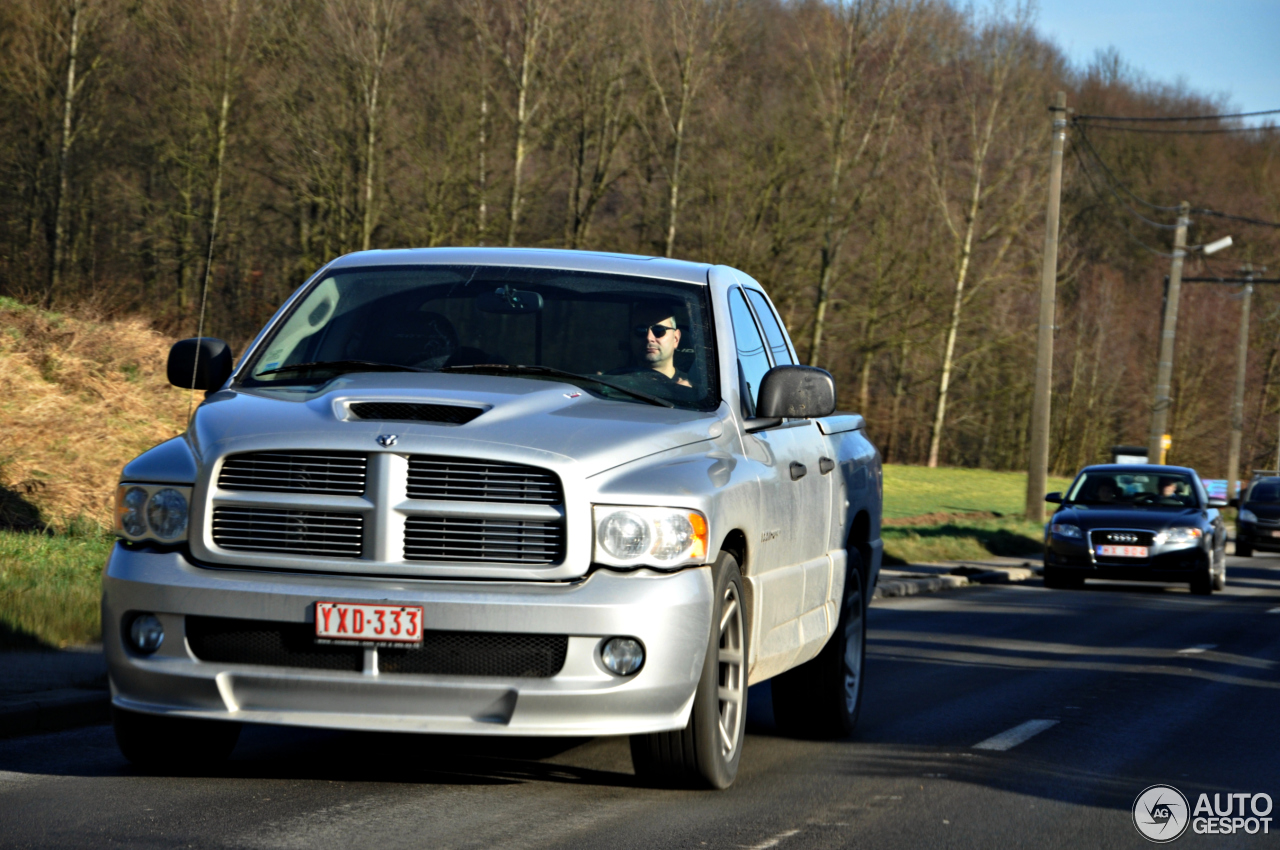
x=880, y=165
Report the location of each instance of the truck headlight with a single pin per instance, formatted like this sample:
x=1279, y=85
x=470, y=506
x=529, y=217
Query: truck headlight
x=1179, y=535
x=638, y=536
x=156, y=512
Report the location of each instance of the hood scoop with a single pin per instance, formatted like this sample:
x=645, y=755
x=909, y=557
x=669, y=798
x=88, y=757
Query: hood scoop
x=441, y=414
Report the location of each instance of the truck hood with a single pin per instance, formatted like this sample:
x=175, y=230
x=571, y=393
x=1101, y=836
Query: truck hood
x=523, y=419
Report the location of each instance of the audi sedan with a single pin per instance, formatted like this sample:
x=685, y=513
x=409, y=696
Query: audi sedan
x=1258, y=523
x=1136, y=523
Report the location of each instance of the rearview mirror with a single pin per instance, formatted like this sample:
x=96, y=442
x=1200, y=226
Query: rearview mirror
x=1055, y=497
x=797, y=392
x=202, y=363
x=506, y=300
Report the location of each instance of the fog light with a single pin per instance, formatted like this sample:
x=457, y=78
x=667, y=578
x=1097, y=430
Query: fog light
x=146, y=633
x=623, y=656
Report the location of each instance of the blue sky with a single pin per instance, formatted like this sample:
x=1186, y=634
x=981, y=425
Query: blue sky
x=1227, y=47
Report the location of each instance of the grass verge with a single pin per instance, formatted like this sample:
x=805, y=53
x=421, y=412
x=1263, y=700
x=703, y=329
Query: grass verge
x=961, y=539
x=51, y=586
x=911, y=491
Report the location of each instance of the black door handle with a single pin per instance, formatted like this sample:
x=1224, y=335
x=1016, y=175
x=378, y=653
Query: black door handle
x=798, y=470
x=825, y=465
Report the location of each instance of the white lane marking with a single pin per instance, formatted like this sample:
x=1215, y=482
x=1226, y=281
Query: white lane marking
x=1011, y=738
x=1198, y=648
x=773, y=842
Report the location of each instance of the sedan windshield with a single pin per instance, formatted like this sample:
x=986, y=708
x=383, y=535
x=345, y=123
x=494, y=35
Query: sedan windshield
x=1265, y=492
x=626, y=338
x=1170, y=490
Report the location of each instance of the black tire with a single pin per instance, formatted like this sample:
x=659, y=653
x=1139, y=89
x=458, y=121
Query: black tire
x=1202, y=581
x=823, y=697
x=697, y=756
x=1244, y=550
x=172, y=743
x=1061, y=579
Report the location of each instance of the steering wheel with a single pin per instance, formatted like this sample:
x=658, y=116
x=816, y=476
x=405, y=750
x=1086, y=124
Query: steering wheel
x=437, y=339
x=1144, y=499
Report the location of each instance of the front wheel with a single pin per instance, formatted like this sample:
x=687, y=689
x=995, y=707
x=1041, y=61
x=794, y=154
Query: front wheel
x=707, y=750
x=823, y=697
x=173, y=743
x=1244, y=550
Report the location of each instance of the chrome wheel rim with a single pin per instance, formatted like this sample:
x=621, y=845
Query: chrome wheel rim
x=853, y=651
x=731, y=681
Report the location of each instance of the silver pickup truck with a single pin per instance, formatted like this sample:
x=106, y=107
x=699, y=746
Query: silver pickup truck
x=498, y=492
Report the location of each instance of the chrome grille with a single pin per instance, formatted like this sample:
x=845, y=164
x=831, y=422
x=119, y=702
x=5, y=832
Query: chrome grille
x=509, y=541
x=296, y=532
x=295, y=472
x=454, y=479
x=1124, y=538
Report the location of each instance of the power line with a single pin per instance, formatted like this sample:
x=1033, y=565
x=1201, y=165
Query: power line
x=1135, y=240
x=1112, y=177
x=1215, y=132
x=1177, y=117
x=1245, y=219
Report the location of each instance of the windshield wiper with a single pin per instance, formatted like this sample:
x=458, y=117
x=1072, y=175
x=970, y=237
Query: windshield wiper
x=343, y=366
x=520, y=368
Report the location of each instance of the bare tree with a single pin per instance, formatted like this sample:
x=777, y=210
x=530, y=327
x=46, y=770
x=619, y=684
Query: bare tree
x=682, y=43
x=520, y=35
x=993, y=90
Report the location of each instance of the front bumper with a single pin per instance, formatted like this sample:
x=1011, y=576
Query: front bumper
x=1256, y=537
x=669, y=613
x=1167, y=563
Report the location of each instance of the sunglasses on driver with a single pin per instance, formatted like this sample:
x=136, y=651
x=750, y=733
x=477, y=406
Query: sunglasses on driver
x=659, y=331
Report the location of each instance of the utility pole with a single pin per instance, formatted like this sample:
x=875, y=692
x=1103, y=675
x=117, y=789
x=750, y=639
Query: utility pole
x=1164, y=370
x=1237, y=403
x=1038, y=462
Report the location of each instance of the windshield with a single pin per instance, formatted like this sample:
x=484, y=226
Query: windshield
x=649, y=336
x=1265, y=492
x=1171, y=490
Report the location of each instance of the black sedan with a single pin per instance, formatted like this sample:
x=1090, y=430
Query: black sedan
x=1138, y=523
x=1258, y=524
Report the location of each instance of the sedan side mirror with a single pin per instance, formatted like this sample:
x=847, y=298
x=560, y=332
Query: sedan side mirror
x=202, y=363
x=1217, y=503
x=1056, y=498
x=796, y=392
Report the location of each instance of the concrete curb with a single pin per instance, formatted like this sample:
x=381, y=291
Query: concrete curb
x=49, y=711
x=899, y=585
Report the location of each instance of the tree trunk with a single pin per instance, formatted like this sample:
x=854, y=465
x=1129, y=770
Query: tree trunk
x=64, y=158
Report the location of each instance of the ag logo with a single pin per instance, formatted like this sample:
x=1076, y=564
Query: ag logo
x=1160, y=813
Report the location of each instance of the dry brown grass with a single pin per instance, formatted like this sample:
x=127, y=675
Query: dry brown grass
x=78, y=399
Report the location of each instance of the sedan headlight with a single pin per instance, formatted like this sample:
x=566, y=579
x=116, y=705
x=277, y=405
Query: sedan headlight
x=1246, y=515
x=1179, y=535
x=638, y=536
x=156, y=512
x=1064, y=530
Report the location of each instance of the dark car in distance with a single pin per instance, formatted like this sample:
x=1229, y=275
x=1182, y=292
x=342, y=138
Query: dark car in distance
x=1258, y=523
x=1136, y=523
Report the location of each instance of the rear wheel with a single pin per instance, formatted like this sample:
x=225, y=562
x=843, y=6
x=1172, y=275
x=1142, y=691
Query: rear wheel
x=823, y=697
x=173, y=743
x=706, y=752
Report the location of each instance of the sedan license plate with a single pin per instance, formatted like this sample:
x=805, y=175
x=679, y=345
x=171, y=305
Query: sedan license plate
x=368, y=625
x=1123, y=551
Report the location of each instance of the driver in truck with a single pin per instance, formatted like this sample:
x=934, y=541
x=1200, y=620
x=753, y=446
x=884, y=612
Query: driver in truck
x=655, y=338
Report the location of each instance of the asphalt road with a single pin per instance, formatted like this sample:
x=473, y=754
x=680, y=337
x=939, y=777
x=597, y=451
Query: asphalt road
x=1144, y=685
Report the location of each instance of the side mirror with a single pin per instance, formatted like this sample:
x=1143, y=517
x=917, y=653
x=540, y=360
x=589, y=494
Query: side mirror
x=797, y=392
x=1055, y=497
x=202, y=363
x=1217, y=503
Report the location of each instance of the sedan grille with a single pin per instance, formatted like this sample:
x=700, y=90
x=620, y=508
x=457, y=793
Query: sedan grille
x=448, y=414
x=275, y=644
x=509, y=541
x=296, y=532
x=295, y=472
x=453, y=479
x=1124, y=538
